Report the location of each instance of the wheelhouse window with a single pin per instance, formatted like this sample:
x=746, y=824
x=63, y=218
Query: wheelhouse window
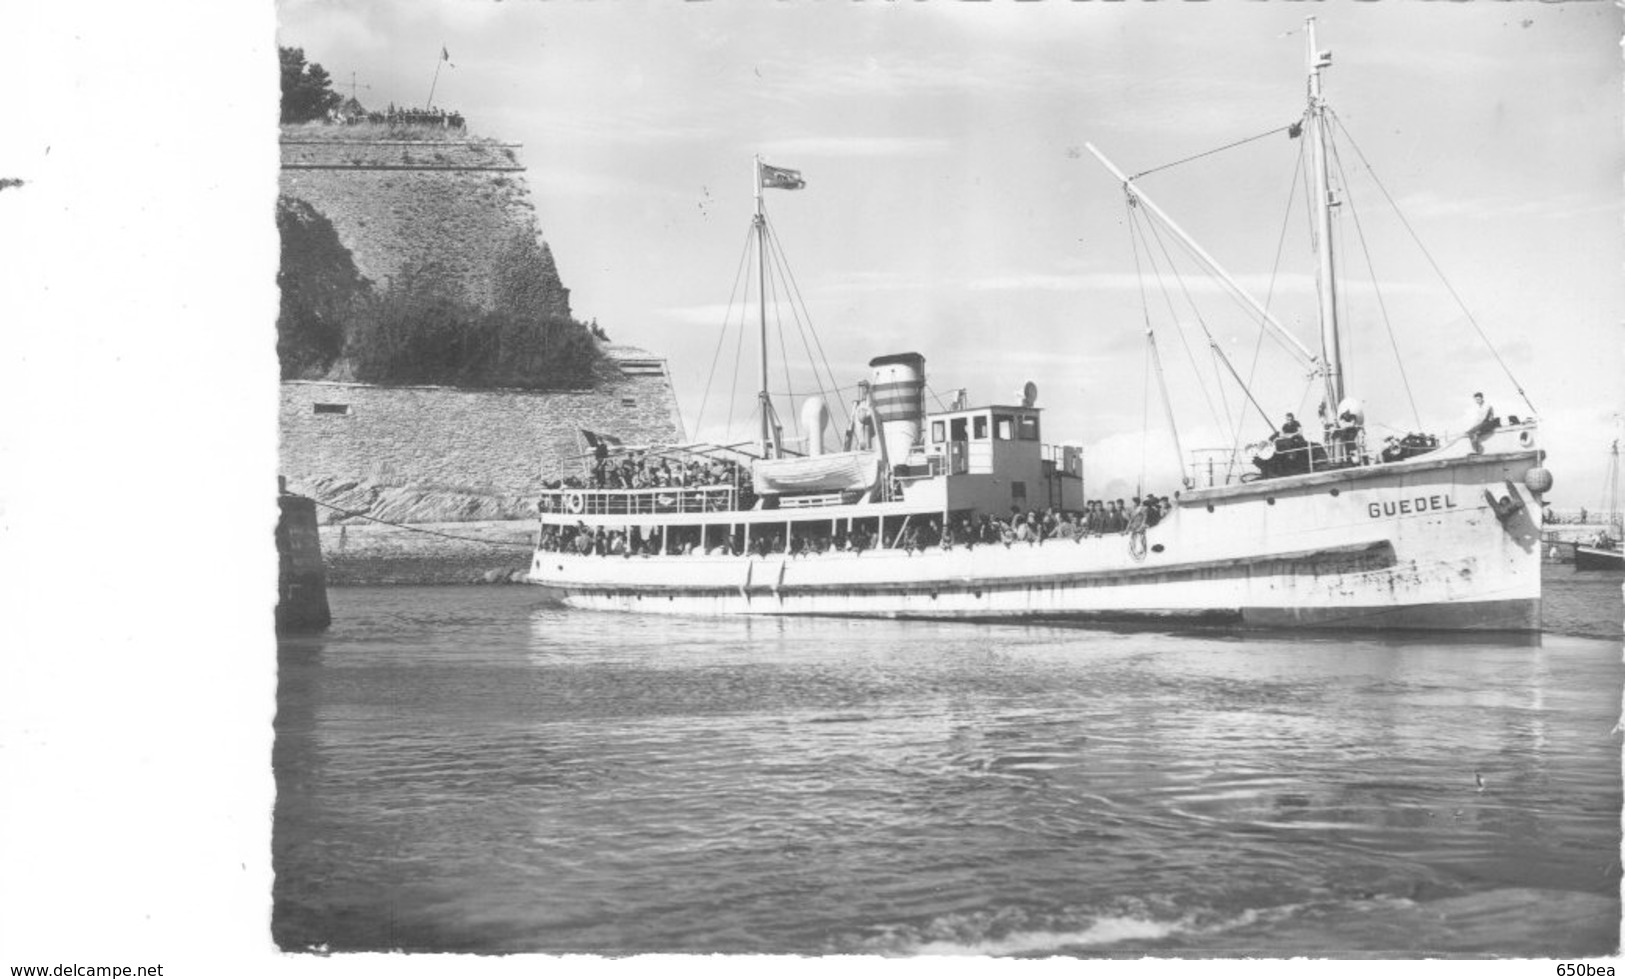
x=1003, y=427
x=957, y=428
x=936, y=431
x=1027, y=428
x=979, y=426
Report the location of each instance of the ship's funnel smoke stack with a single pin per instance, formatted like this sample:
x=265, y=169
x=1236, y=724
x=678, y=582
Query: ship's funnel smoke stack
x=815, y=422
x=899, y=397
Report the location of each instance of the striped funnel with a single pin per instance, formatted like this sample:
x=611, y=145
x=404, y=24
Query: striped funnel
x=899, y=397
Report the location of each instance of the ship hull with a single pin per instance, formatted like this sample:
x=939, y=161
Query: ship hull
x=1413, y=545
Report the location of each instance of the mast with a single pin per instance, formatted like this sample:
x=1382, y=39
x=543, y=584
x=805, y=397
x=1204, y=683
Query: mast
x=1614, y=519
x=764, y=404
x=1330, y=344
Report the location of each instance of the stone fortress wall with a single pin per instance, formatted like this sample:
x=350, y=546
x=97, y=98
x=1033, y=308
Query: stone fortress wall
x=404, y=196
x=454, y=203
x=499, y=443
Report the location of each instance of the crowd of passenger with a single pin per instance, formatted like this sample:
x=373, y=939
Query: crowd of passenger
x=641, y=470
x=392, y=116
x=1100, y=518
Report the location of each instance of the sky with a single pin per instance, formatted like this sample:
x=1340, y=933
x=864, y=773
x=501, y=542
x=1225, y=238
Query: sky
x=951, y=206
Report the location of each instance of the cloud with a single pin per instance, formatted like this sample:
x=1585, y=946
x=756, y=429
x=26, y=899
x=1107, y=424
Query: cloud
x=556, y=183
x=1258, y=284
x=1427, y=205
x=708, y=314
x=856, y=146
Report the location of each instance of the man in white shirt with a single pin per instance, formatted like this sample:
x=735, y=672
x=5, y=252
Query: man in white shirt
x=1483, y=422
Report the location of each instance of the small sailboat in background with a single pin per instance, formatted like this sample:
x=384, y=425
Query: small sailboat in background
x=1605, y=553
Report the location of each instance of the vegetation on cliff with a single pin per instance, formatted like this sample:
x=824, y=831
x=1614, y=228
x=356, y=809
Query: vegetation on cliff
x=322, y=293
x=420, y=329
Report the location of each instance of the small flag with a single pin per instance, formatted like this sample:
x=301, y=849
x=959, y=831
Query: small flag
x=594, y=440
x=782, y=179
x=1294, y=131
x=446, y=56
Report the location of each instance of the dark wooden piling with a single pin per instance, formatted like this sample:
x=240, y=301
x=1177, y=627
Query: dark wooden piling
x=301, y=584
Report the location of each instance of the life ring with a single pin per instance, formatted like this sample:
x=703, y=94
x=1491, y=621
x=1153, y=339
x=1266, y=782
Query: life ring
x=1136, y=544
x=574, y=502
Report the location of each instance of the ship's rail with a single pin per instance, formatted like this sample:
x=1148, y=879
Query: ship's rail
x=1210, y=467
x=627, y=502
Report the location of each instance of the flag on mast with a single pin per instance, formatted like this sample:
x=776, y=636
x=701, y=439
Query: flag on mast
x=782, y=179
x=446, y=56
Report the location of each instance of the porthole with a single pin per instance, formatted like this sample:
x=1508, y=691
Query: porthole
x=1210, y=508
x=1270, y=500
x=1336, y=491
x=1156, y=548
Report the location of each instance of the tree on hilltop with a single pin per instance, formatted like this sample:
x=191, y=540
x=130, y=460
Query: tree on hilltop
x=307, y=91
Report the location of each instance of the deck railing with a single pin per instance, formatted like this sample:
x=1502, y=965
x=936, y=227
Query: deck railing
x=630, y=502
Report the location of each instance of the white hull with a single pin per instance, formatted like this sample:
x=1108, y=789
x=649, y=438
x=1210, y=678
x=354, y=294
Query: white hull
x=1407, y=545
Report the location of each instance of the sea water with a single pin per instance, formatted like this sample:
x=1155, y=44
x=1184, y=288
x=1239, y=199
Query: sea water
x=477, y=769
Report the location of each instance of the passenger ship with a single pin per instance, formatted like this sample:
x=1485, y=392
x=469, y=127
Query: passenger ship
x=1447, y=538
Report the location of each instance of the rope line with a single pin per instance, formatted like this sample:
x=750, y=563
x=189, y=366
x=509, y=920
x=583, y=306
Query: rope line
x=1365, y=248
x=781, y=265
x=420, y=530
x=1196, y=370
x=1151, y=346
x=795, y=289
x=1437, y=271
x=1221, y=149
x=722, y=335
x=1269, y=296
x=784, y=353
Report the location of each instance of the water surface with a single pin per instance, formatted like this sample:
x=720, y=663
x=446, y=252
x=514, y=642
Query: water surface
x=474, y=769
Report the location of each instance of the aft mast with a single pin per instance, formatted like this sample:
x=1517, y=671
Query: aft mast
x=769, y=444
x=1330, y=342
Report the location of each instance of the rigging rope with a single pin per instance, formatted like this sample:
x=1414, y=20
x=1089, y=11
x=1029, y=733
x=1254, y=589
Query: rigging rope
x=1200, y=382
x=721, y=336
x=1221, y=149
x=784, y=353
x=1151, y=342
x=781, y=266
x=420, y=530
x=1365, y=248
x=1235, y=293
x=1439, y=272
x=1145, y=410
x=800, y=302
x=739, y=355
x=1269, y=296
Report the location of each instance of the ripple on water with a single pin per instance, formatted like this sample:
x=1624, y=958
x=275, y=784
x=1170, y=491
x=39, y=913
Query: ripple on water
x=470, y=769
